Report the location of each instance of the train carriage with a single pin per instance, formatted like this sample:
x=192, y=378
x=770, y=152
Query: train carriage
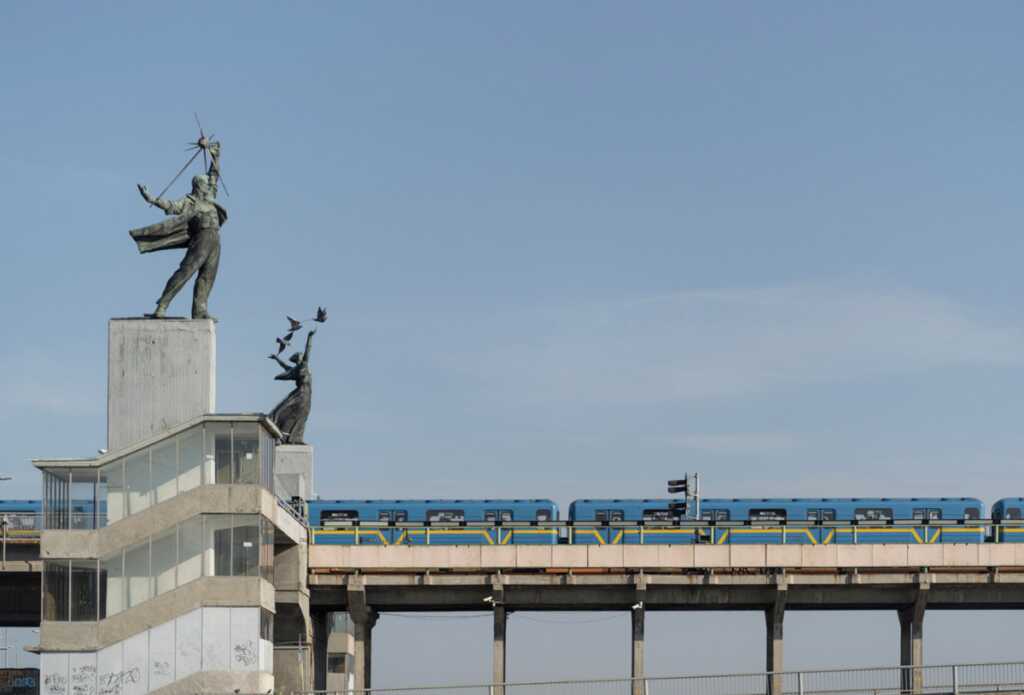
x=21, y=518
x=1008, y=520
x=770, y=521
x=451, y=522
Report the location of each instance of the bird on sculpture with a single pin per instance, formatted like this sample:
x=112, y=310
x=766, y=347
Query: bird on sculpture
x=295, y=325
x=321, y=314
x=281, y=345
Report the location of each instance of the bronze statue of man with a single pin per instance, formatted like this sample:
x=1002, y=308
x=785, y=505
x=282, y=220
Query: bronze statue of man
x=196, y=226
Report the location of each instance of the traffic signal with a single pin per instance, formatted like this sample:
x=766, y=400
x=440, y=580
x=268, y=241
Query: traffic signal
x=677, y=486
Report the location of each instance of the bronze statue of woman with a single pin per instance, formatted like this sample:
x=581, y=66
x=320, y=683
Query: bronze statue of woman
x=290, y=414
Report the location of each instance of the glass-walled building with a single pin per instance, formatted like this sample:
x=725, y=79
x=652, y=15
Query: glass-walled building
x=92, y=494
x=184, y=524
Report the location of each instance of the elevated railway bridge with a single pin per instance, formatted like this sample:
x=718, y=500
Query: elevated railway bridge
x=361, y=569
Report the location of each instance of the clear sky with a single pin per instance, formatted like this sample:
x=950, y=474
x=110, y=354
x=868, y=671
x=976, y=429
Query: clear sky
x=568, y=249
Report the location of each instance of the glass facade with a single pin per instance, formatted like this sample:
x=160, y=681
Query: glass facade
x=224, y=545
x=213, y=453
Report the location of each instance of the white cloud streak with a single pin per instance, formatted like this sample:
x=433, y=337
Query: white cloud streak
x=732, y=343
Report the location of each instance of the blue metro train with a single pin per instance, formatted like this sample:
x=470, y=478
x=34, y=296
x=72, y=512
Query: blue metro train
x=612, y=521
x=768, y=520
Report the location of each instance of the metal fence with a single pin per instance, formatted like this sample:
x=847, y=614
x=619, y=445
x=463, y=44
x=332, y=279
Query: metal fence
x=965, y=679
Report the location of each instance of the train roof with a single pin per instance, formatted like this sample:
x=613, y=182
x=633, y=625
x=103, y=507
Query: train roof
x=787, y=499
x=436, y=501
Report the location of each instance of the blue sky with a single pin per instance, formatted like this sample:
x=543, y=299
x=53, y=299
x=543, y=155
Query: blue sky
x=569, y=249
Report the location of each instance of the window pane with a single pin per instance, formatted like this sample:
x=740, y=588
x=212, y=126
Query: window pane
x=218, y=451
x=190, y=553
x=267, y=550
x=165, y=470
x=165, y=554
x=190, y=450
x=55, y=590
x=217, y=545
x=112, y=578
x=83, y=489
x=872, y=514
x=446, y=515
x=113, y=476
x=246, y=453
x=136, y=571
x=83, y=590
x=767, y=515
x=245, y=557
x=137, y=478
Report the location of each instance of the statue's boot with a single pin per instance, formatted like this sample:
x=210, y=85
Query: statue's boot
x=161, y=311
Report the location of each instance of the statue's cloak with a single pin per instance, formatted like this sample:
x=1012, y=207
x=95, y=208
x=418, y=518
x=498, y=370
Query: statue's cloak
x=171, y=233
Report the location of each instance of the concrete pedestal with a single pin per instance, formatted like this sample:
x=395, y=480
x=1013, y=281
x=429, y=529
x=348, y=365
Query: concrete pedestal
x=293, y=471
x=160, y=373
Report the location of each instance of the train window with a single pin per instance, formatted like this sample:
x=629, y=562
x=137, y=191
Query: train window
x=543, y=515
x=972, y=513
x=21, y=521
x=1012, y=513
x=383, y=516
x=329, y=515
x=872, y=514
x=767, y=515
x=401, y=516
x=617, y=515
x=715, y=514
x=498, y=515
x=446, y=515
x=821, y=514
x=929, y=513
x=659, y=515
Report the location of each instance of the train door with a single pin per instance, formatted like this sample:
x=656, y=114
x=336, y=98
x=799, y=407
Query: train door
x=821, y=534
x=391, y=535
x=925, y=533
x=497, y=534
x=1010, y=533
x=610, y=535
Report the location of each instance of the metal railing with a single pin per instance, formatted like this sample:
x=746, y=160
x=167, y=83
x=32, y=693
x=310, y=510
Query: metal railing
x=962, y=679
x=687, y=531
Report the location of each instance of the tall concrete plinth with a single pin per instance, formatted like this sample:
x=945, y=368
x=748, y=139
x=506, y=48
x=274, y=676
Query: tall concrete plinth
x=293, y=471
x=160, y=373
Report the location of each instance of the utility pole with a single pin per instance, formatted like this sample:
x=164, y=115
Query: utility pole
x=689, y=487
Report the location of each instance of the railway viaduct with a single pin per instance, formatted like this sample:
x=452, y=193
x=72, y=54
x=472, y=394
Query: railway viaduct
x=772, y=579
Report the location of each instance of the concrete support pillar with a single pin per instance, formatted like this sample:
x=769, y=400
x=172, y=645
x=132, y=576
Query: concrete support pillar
x=774, y=616
x=362, y=624
x=637, y=668
x=500, y=653
x=320, y=632
x=912, y=641
x=363, y=620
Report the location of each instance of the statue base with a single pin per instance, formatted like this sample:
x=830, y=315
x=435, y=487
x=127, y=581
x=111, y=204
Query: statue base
x=160, y=374
x=293, y=471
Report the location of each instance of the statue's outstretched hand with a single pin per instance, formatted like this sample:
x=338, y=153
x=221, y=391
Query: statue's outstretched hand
x=145, y=193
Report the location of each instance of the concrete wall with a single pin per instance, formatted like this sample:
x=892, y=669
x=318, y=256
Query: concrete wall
x=159, y=375
x=293, y=471
x=484, y=557
x=222, y=640
x=66, y=636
